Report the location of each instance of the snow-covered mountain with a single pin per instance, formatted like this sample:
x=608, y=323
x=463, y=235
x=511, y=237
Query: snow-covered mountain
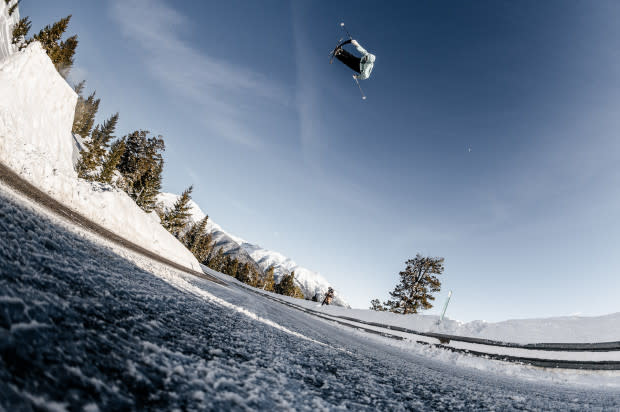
x=310, y=282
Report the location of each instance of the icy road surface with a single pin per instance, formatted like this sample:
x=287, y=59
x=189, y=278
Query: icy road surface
x=84, y=328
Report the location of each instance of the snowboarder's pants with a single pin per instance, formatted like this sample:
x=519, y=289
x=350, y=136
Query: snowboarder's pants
x=350, y=60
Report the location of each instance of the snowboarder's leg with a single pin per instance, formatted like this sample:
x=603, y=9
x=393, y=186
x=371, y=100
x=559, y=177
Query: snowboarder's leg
x=348, y=59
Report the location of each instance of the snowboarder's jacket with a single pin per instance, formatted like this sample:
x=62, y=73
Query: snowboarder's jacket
x=366, y=64
x=328, y=297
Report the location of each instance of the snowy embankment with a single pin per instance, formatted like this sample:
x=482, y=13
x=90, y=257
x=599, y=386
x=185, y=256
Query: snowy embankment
x=567, y=329
x=310, y=282
x=6, y=27
x=36, y=115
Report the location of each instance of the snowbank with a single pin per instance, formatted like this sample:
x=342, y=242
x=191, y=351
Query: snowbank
x=567, y=329
x=36, y=115
x=6, y=28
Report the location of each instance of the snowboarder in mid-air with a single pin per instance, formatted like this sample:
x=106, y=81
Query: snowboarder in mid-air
x=361, y=65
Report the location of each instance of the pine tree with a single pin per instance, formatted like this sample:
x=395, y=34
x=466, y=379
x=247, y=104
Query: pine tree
x=141, y=166
x=13, y=7
x=197, y=241
x=244, y=273
x=87, y=164
x=205, y=244
x=191, y=238
x=150, y=183
x=226, y=265
x=20, y=31
x=111, y=161
x=375, y=304
x=175, y=219
x=63, y=59
x=85, y=111
x=149, y=186
x=105, y=134
x=96, y=149
x=298, y=293
x=232, y=266
x=287, y=286
x=417, y=283
x=256, y=277
x=79, y=88
x=60, y=52
x=216, y=259
x=267, y=281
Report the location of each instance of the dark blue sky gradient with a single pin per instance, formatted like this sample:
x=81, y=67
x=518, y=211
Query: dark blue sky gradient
x=283, y=152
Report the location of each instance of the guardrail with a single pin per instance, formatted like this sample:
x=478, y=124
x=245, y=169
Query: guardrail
x=558, y=355
x=445, y=338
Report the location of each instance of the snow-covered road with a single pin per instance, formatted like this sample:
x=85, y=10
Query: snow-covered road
x=83, y=326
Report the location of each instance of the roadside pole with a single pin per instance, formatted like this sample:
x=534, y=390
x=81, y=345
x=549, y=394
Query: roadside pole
x=445, y=306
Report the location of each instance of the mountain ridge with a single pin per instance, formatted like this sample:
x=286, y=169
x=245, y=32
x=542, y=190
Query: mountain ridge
x=310, y=282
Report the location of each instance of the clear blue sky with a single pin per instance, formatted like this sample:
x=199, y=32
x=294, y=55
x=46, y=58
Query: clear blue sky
x=489, y=136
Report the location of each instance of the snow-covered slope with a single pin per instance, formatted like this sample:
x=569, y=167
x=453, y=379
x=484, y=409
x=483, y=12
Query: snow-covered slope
x=6, y=28
x=310, y=282
x=36, y=115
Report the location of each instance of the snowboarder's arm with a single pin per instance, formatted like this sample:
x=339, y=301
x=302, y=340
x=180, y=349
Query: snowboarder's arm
x=359, y=47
